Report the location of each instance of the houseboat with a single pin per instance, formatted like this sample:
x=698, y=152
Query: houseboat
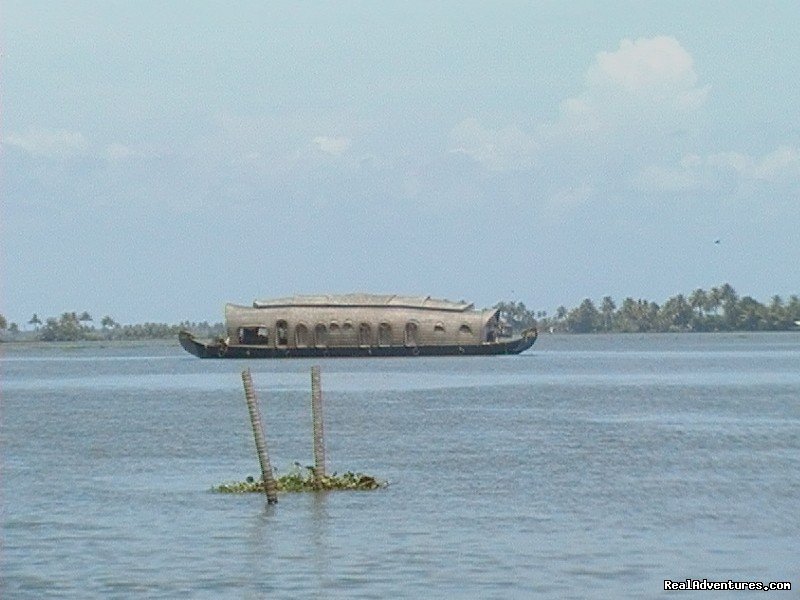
x=359, y=325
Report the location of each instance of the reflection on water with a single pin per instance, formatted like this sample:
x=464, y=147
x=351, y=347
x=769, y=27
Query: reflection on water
x=592, y=466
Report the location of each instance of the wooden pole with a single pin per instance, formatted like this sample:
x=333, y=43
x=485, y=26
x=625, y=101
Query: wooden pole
x=270, y=487
x=319, y=430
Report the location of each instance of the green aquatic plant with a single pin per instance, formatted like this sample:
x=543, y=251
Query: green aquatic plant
x=301, y=479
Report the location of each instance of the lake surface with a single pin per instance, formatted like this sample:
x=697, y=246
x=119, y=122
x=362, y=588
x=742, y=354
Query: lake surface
x=590, y=466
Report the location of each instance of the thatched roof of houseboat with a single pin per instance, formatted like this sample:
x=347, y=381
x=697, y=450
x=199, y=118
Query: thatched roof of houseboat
x=364, y=300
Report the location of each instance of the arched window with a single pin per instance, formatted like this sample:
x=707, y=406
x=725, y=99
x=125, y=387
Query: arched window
x=465, y=330
x=364, y=335
x=334, y=334
x=384, y=334
x=281, y=333
x=438, y=328
x=320, y=335
x=411, y=338
x=301, y=335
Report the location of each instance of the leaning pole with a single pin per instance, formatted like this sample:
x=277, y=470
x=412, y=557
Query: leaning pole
x=319, y=430
x=270, y=487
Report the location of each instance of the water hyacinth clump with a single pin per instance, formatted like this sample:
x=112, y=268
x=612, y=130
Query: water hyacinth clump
x=301, y=479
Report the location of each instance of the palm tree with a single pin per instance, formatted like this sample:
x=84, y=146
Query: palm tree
x=777, y=314
x=751, y=314
x=675, y=315
x=35, y=321
x=727, y=293
x=730, y=307
x=793, y=309
x=607, y=308
x=628, y=317
x=714, y=298
x=698, y=299
x=585, y=318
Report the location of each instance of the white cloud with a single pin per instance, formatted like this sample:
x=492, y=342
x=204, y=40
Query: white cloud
x=335, y=146
x=572, y=196
x=65, y=144
x=658, y=68
x=115, y=152
x=673, y=179
x=561, y=202
x=50, y=143
x=782, y=163
x=507, y=149
x=643, y=81
x=705, y=172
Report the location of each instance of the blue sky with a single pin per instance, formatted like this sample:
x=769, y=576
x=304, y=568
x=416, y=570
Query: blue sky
x=160, y=159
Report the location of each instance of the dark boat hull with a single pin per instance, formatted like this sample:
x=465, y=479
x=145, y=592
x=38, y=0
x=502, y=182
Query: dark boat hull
x=218, y=349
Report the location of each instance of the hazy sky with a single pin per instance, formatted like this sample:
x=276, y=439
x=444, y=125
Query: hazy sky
x=162, y=158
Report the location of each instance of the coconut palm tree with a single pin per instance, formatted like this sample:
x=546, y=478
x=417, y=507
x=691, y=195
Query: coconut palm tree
x=35, y=321
x=584, y=319
x=714, y=300
x=730, y=301
x=607, y=309
x=698, y=300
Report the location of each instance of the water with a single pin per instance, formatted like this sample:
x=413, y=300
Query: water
x=591, y=466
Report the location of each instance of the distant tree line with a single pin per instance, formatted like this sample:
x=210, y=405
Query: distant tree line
x=718, y=309
x=73, y=326
x=518, y=316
